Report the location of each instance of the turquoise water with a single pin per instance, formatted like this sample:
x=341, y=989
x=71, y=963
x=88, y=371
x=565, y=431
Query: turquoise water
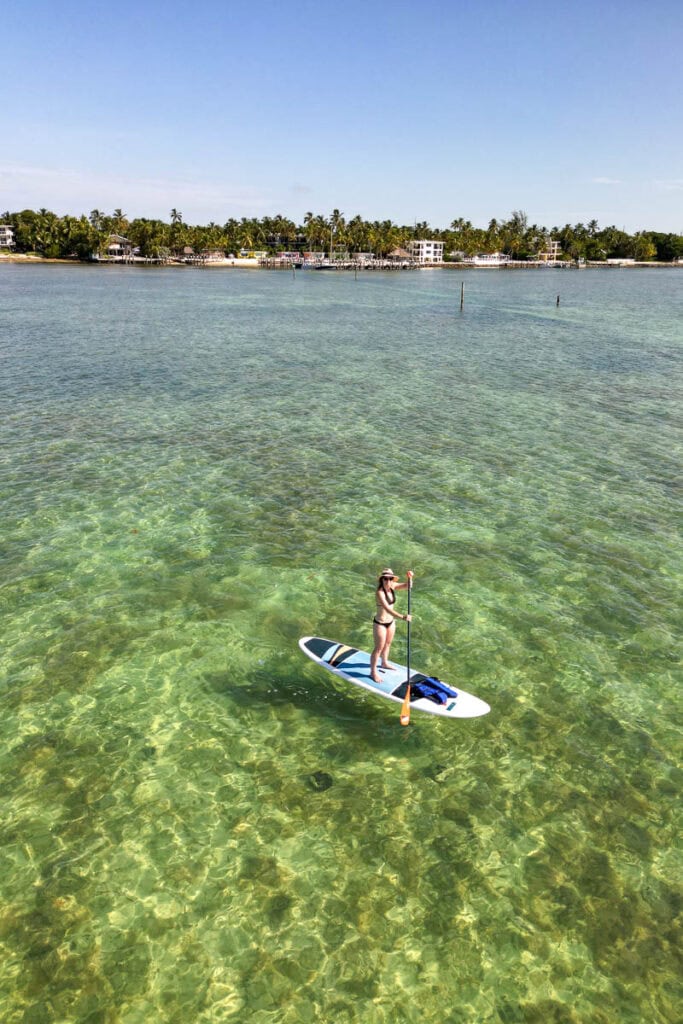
x=196, y=823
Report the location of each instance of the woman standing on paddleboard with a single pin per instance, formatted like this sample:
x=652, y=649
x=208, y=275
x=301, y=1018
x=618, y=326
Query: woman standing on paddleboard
x=384, y=622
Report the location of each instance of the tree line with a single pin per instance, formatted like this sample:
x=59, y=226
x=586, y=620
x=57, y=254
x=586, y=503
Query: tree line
x=47, y=234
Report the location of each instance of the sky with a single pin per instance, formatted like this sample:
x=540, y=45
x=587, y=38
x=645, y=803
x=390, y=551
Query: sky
x=402, y=110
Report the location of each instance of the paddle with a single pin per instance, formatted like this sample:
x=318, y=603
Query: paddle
x=405, y=707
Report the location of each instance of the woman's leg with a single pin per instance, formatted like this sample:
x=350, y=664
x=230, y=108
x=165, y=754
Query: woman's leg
x=384, y=654
x=378, y=637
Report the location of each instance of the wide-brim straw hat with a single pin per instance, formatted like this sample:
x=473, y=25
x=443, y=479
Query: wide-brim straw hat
x=388, y=572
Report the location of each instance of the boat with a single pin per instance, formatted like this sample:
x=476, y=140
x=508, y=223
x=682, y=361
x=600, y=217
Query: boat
x=488, y=259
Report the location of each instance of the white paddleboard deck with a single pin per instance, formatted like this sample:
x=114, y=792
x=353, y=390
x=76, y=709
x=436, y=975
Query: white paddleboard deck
x=354, y=666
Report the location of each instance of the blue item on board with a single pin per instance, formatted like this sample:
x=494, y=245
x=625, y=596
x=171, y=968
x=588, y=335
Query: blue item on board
x=433, y=689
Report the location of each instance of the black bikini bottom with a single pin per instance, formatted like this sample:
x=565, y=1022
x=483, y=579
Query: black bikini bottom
x=385, y=624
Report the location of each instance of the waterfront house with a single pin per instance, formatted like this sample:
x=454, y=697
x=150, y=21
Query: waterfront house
x=400, y=254
x=119, y=248
x=6, y=236
x=552, y=253
x=212, y=255
x=187, y=254
x=426, y=251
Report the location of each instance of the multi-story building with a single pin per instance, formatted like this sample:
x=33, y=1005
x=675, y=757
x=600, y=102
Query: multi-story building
x=552, y=253
x=6, y=236
x=426, y=251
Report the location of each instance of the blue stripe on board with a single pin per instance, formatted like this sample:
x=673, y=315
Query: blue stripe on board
x=330, y=652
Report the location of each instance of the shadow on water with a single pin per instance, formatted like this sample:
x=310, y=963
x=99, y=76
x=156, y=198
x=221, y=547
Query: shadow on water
x=363, y=717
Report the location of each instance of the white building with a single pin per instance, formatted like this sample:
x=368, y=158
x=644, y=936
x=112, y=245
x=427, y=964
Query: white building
x=552, y=253
x=120, y=248
x=425, y=251
x=6, y=236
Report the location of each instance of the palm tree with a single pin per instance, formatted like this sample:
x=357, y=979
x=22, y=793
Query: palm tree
x=337, y=224
x=99, y=223
x=46, y=238
x=176, y=216
x=513, y=233
x=356, y=234
x=385, y=236
x=213, y=236
x=492, y=236
x=250, y=233
x=316, y=229
x=120, y=221
x=286, y=229
x=230, y=229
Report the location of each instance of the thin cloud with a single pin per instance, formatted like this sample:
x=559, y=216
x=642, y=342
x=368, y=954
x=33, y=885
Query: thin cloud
x=74, y=191
x=607, y=181
x=670, y=185
x=301, y=190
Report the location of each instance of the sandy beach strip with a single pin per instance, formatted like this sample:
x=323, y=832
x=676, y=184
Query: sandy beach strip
x=140, y=261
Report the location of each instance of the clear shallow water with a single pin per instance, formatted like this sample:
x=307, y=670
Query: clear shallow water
x=197, y=468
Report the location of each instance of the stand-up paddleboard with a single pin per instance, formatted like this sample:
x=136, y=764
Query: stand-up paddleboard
x=427, y=693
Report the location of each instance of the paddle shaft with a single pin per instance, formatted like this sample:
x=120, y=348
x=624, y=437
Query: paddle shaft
x=405, y=707
x=410, y=588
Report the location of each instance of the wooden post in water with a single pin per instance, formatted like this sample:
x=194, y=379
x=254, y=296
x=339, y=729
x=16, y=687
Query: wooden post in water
x=558, y=301
x=462, y=295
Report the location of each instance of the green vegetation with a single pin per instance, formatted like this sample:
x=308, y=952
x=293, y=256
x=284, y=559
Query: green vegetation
x=45, y=233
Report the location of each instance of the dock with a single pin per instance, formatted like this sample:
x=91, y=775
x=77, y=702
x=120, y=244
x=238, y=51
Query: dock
x=286, y=263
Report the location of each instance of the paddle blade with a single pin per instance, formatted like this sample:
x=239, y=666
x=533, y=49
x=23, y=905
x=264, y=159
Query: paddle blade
x=405, y=708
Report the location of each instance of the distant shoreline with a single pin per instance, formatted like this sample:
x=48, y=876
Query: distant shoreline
x=29, y=259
